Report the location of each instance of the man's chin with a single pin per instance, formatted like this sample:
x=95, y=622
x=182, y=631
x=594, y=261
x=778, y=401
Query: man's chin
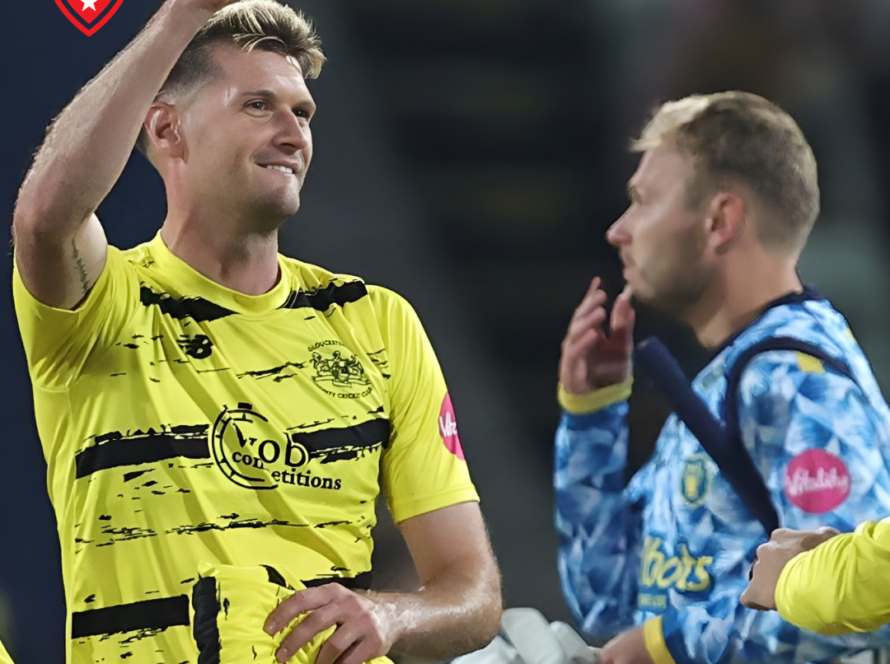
x=276, y=211
x=652, y=299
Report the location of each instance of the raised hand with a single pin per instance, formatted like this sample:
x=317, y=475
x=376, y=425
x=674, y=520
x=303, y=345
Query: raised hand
x=592, y=359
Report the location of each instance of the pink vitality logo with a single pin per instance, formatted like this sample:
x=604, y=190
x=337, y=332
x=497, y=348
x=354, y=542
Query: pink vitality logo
x=448, y=428
x=817, y=481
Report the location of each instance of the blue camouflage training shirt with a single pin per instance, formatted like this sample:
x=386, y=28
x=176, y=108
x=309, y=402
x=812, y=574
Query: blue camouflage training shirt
x=671, y=551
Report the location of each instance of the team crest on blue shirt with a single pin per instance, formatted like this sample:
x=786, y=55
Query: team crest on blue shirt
x=695, y=482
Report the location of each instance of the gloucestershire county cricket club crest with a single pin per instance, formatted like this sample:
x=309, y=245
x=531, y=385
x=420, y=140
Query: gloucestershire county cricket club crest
x=338, y=372
x=695, y=482
x=89, y=15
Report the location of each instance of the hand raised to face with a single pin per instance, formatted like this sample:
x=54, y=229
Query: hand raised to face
x=591, y=359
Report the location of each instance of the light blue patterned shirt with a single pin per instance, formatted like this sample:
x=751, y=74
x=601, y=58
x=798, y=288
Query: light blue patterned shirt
x=677, y=541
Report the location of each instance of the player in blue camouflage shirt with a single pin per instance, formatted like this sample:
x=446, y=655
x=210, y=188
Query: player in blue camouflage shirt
x=720, y=209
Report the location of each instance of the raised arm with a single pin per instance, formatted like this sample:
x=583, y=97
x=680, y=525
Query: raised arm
x=60, y=244
x=597, y=519
x=456, y=610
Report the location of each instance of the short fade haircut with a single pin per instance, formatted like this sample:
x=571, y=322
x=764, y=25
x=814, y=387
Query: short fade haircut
x=741, y=135
x=247, y=25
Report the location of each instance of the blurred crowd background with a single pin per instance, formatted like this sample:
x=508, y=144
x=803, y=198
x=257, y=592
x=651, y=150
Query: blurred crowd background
x=470, y=154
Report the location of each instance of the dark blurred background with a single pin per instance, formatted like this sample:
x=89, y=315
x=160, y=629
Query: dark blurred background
x=470, y=154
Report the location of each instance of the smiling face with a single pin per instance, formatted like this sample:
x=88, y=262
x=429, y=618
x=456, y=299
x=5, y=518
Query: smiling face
x=246, y=136
x=661, y=239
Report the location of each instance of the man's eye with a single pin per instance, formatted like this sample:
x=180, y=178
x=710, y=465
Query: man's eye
x=258, y=105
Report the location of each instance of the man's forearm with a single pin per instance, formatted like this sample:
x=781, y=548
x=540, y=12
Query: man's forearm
x=89, y=143
x=455, y=614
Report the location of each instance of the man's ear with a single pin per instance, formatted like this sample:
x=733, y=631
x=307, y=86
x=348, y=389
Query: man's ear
x=163, y=129
x=726, y=220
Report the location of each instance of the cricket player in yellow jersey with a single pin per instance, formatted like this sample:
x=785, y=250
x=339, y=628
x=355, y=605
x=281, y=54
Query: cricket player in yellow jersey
x=826, y=582
x=218, y=419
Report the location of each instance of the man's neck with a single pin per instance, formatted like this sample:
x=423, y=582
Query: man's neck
x=736, y=300
x=243, y=262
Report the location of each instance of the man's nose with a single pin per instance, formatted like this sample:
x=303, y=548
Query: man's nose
x=618, y=234
x=294, y=133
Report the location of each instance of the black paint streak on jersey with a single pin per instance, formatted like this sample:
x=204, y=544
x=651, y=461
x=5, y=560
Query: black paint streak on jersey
x=323, y=299
x=341, y=444
x=126, y=534
x=196, y=308
x=205, y=600
x=359, y=581
x=139, y=635
x=328, y=524
x=244, y=523
x=135, y=474
x=114, y=449
x=379, y=358
x=275, y=577
x=311, y=425
x=347, y=454
x=273, y=372
x=152, y=614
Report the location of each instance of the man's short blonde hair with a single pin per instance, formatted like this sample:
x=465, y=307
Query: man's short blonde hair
x=739, y=135
x=247, y=25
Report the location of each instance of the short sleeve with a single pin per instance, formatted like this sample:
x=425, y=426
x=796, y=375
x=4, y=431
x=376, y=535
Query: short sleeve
x=59, y=342
x=423, y=468
x=853, y=565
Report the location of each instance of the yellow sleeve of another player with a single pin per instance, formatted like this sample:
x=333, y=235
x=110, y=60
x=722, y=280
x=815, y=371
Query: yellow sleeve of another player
x=424, y=467
x=4, y=656
x=58, y=342
x=843, y=585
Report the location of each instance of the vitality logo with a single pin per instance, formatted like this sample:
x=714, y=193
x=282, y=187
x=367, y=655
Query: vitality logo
x=89, y=15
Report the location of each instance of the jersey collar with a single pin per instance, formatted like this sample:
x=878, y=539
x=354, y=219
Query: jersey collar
x=192, y=283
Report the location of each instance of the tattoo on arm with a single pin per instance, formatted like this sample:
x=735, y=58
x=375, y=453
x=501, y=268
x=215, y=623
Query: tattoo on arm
x=81, y=268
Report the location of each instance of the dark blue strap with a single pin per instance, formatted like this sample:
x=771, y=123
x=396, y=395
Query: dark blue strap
x=737, y=450
x=655, y=363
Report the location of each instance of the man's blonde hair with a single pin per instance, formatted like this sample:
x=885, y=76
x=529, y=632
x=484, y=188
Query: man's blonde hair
x=739, y=135
x=266, y=25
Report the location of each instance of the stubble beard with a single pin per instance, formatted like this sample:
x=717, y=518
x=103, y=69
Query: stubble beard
x=267, y=213
x=676, y=290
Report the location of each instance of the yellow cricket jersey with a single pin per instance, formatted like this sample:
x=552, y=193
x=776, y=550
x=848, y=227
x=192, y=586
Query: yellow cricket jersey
x=4, y=656
x=184, y=423
x=842, y=585
x=231, y=605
